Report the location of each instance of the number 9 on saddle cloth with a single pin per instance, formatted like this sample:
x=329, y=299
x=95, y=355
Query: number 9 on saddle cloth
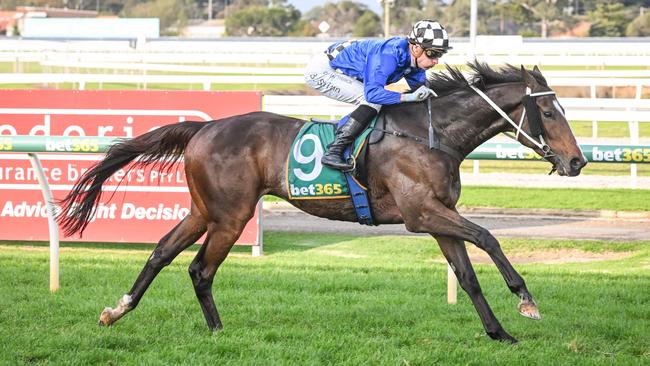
x=308, y=178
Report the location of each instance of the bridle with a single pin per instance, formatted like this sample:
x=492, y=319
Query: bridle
x=530, y=108
x=534, y=118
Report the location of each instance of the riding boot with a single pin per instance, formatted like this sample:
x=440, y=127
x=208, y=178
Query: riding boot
x=345, y=136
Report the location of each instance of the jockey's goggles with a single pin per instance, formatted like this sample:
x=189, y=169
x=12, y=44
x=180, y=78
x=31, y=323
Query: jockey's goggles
x=431, y=53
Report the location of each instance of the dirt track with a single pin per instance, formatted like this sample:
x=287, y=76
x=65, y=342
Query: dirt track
x=523, y=226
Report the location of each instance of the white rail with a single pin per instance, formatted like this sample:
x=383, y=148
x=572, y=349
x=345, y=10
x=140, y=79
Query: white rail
x=139, y=67
x=285, y=51
x=600, y=109
x=302, y=59
x=208, y=80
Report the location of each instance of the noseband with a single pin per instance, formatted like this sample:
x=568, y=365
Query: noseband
x=534, y=118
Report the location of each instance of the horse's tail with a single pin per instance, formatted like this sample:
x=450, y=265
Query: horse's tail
x=163, y=146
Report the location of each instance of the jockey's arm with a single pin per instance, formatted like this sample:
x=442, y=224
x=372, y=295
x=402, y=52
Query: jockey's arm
x=416, y=79
x=377, y=71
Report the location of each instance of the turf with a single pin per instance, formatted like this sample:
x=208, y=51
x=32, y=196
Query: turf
x=323, y=299
x=550, y=198
x=542, y=167
x=556, y=198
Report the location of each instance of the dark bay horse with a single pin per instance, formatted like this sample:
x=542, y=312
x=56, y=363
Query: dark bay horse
x=409, y=183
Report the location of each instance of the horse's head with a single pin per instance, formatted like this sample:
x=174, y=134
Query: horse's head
x=547, y=125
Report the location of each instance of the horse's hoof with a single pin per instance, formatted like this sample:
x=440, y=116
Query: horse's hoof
x=217, y=328
x=503, y=336
x=105, y=317
x=529, y=310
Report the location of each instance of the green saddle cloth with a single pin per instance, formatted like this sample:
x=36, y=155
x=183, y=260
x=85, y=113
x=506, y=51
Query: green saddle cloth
x=307, y=178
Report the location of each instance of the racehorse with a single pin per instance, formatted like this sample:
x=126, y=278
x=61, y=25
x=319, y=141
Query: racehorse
x=231, y=163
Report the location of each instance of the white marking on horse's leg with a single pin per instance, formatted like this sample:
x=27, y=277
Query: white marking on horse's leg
x=126, y=300
x=110, y=316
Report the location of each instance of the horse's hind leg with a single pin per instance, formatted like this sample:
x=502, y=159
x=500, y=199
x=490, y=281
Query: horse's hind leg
x=182, y=236
x=221, y=237
x=456, y=254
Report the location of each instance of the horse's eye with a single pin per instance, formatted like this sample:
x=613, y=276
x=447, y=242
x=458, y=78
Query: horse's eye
x=548, y=114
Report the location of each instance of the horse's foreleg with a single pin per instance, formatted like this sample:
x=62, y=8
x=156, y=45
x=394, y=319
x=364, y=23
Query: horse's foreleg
x=441, y=221
x=182, y=236
x=456, y=254
x=487, y=242
x=220, y=240
x=437, y=219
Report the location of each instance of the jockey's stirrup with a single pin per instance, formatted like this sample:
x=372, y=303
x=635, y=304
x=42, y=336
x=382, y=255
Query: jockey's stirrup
x=345, y=136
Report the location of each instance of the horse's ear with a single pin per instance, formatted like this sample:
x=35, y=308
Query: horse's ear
x=536, y=69
x=528, y=78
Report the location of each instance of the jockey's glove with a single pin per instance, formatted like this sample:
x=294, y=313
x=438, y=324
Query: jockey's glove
x=418, y=95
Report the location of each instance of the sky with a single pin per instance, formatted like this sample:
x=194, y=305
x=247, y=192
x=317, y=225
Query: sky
x=306, y=5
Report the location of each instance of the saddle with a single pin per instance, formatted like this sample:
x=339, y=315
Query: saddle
x=373, y=134
x=308, y=179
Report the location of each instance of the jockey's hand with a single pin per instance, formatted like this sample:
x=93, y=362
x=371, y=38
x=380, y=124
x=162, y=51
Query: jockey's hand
x=418, y=95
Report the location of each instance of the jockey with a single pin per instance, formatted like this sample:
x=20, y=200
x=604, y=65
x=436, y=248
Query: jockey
x=357, y=72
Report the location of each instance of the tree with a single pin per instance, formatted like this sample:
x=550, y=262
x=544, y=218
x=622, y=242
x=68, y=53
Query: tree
x=262, y=21
x=533, y=17
x=235, y=5
x=543, y=11
x=434, y=9
x=170, y=12
x=304, y=28
x=368, y=25
x=457, y=14
x=344, y=18
x=609, y=20
x=403, y=14
x=640, y=26
x=508, y=13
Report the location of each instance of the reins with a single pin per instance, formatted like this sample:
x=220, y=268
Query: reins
x=541, y=144
x=433, y=142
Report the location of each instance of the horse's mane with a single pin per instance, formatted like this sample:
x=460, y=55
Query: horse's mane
x=482, y=76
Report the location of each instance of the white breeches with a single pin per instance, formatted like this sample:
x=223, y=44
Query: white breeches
x=333, y=84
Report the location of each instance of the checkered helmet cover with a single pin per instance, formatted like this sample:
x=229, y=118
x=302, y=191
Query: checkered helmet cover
x=429, y=34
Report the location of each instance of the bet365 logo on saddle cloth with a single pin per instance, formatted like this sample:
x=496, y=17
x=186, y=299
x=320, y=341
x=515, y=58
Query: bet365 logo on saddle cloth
x=307, y=178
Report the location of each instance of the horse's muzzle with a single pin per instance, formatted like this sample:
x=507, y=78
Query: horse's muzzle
x=571, y=168
x=576, y=165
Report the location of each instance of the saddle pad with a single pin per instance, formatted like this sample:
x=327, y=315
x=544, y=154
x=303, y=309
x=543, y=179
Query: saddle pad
x=307, y=178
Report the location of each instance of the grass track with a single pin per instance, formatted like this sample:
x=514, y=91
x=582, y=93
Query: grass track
x=550, y=198
x=556, y=198
x=326, y=299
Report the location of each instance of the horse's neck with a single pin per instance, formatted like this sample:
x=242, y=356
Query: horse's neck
x=473, y=121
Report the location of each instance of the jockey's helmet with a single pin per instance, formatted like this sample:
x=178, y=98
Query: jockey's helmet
x=429, y=34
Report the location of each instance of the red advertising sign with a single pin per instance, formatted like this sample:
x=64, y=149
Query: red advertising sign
x=140, y=205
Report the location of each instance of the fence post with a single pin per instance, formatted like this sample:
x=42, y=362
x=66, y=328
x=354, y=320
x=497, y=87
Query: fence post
x=594, y=123
x=51, y=222
x=452, y=286
x=634, y=139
